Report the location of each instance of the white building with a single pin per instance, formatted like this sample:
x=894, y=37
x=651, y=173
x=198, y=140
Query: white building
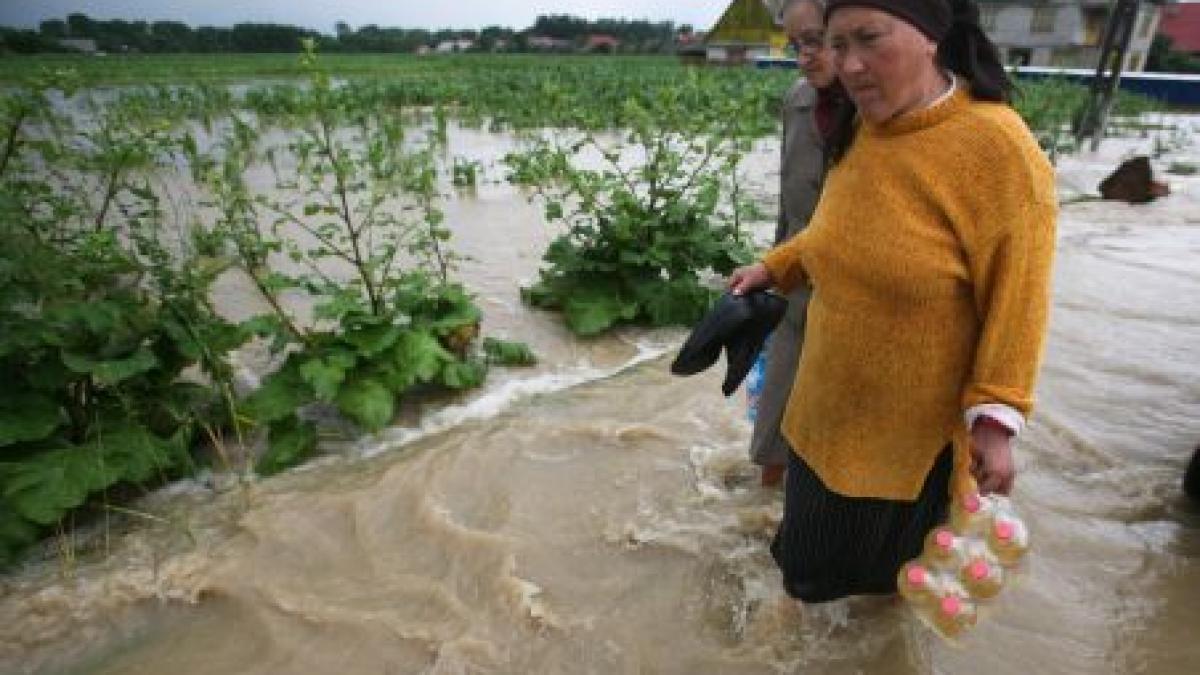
x=85, y=45
x=454, y=46
x=1062, y=33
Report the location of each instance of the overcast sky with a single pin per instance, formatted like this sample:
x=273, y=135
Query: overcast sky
x=322, y=14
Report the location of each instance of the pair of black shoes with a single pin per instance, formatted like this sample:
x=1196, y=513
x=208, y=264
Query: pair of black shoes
x=739, y=324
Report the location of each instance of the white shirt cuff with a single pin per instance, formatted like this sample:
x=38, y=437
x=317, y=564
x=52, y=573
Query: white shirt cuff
x=1007, y=415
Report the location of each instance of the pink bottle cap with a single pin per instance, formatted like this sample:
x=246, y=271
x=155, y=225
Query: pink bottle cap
x=971, y=503
x=944, y=539
x=951, y=606
x=1004, y=530
x=916, y=575
x=979, y=570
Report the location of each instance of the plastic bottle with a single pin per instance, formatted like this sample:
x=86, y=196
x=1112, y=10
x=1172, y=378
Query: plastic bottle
x=918, y=585
x=755, y=380
x=1008, y=539
x=953, y=613
x=943, y=549
x=972, y=514
x=981, y=575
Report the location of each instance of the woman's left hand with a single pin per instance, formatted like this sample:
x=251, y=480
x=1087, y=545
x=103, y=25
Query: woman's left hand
x=992, y=459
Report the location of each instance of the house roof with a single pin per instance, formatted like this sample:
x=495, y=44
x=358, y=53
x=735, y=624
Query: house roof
x=1181, y=23
x=747, y=22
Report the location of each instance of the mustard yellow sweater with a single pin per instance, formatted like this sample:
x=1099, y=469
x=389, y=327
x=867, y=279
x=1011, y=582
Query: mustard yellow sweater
x=929, y=255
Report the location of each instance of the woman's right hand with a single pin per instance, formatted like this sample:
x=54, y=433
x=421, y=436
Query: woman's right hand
x=750, y=278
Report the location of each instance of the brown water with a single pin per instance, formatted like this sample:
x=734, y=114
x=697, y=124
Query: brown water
x=596, y=515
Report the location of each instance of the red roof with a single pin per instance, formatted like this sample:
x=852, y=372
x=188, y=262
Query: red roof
x=603, y=41
x=1181, y=23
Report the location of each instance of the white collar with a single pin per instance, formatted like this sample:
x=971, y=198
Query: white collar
x=946, y=94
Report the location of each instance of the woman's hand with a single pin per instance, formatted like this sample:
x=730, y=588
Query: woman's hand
x=992, y=459
x=750, y=278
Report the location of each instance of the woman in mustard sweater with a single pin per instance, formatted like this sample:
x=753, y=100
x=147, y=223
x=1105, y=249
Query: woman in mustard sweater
x=929, y=260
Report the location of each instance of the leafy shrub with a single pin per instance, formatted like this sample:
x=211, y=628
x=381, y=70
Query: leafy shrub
x=643, y=230
x=359, y=217
x=113, y=360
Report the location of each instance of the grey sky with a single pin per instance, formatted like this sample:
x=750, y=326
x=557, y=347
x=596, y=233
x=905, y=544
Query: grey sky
x=322, y=14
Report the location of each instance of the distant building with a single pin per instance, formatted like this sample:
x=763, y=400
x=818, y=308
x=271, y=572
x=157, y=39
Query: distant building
x=1181, y=23
x=601, y=43
x=746, y=30
x=85, y=45
x=1062, y=33
x=454, y=46
x=548, y=43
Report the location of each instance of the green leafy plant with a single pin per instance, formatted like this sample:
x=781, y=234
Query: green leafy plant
x=357, y=227
x=465, y=172
x=113, y=360
x=664, y=210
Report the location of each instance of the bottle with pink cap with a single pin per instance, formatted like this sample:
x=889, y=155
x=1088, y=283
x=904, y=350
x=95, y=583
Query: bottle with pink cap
x=953, y=613
x=918, y=584
x=964, y=562
x=944, y=549
x=981, y=574
x=1008, y=539
x=972, y=513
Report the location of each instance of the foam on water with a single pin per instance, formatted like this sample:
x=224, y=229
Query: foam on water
x=495, y=401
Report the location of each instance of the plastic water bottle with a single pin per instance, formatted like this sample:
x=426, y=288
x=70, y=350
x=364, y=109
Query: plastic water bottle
x=953, y=613
x=917, y=584
x=981, y=574
x=754, y=382
x=944, y=550
x=964, y=563
x=1008, y=539
x=972, y=514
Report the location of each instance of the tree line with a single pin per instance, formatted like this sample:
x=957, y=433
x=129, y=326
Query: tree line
x=157, y=37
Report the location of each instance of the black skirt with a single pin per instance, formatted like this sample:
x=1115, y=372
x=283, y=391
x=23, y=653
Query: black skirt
x=829, y=546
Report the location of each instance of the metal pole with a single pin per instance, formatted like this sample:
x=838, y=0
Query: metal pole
x=1127, y=15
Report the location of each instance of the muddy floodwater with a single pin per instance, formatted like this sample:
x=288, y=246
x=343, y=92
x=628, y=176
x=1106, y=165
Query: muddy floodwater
x=595, y=514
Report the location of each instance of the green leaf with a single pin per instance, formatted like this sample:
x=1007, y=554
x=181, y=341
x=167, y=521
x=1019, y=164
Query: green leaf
x=280, y=395
x=371, y=340
x=26, y=416
x=16, y=532
x=419, y=357
x=368, y=402
x=324, y=376
x=679, y=302
x=592, y=311
x=46, y=488
x=48, y=374
x=263, y=325
x=508, y=353
x=131, y=453
x=541, y=295
x=289, y=442
x=179, y=404
x=464, y=374
x=97, y=317
x=112, y=371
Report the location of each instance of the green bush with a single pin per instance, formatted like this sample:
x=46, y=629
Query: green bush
x=113, y=360
x=642, y=231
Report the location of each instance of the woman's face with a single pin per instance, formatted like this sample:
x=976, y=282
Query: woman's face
x=887, y=66
x=805, y=28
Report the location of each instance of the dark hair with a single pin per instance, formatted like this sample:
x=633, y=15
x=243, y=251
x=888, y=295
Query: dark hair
x=964, y=49
x=968, y=51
